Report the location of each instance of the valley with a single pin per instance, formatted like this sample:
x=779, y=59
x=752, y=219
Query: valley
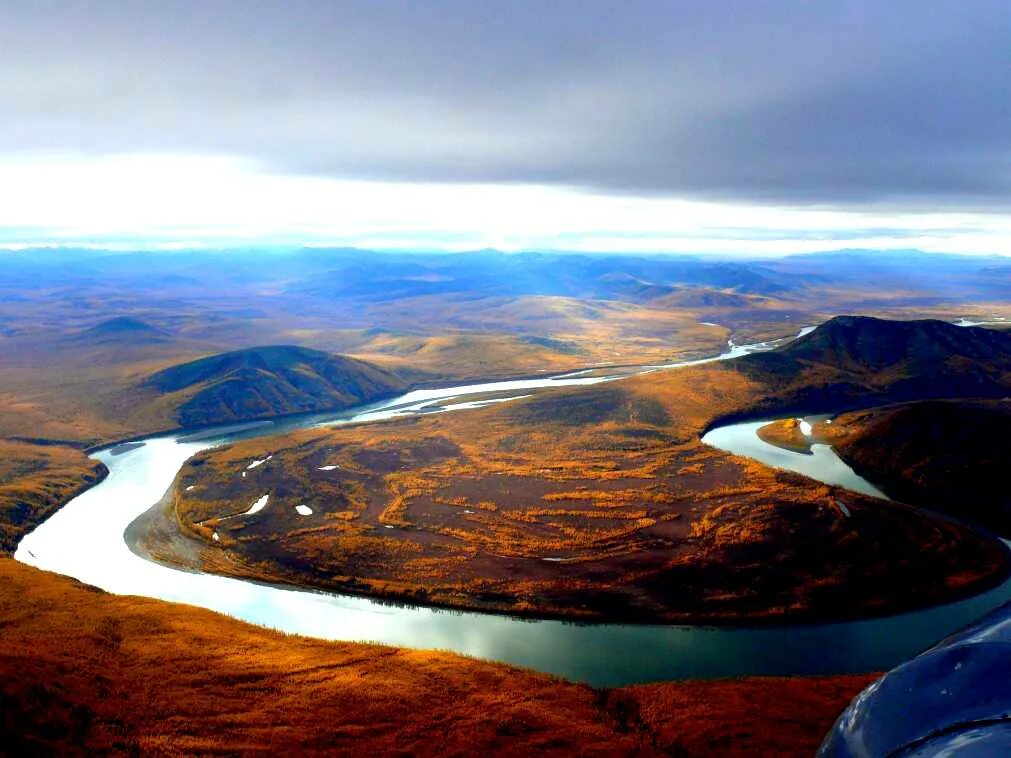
x=464, y=379
x=82, y=335
x=588, y=498
x=632, y=519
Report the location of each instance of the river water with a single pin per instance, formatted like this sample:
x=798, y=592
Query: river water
x=84, y=540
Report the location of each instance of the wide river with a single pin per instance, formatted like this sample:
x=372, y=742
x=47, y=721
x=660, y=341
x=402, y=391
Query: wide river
x=84, y=540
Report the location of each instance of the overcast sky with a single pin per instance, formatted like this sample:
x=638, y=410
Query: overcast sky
x=886, y=122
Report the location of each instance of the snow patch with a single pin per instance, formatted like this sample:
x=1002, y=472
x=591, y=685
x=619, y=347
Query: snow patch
x=258, y=506
x=216, y=537
x=805, y=427
x=254, y=464
x=328, y=468
x=303, y=510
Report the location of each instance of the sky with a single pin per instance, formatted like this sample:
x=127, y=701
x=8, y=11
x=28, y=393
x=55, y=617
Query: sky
x=744, y=127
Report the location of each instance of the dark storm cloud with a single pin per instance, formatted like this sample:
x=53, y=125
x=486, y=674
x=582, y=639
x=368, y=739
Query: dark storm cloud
x=834, y=102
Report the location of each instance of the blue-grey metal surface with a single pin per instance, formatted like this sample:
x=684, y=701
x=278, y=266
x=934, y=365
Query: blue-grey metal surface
x=953, y=700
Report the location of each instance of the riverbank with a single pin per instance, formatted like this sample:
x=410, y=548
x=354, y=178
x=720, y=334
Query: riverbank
x=37, y=478
x=85, y=671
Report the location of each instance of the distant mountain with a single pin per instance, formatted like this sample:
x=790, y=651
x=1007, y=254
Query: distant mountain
x=707, y=297
x=918, y=274
x=269, y=381
x=124, y=329
x=857, y=361
x=489, y=272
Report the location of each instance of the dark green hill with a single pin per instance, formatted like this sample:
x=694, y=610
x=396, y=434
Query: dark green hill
x=123, y=329
x=269, y=381
x=856, y=361
x=863, y=343
x=951, y=456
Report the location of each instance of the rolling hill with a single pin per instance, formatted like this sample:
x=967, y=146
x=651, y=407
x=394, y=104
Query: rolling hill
x=270, y=381
x=950, y=456
x=123, y=330
x=854, y=362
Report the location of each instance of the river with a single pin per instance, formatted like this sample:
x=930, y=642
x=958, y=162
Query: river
x=84, y=540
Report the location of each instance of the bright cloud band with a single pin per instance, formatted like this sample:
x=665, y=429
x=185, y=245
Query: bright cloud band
x=169, y=200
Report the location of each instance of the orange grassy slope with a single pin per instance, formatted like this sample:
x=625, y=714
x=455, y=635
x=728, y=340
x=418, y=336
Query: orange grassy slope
x=82, y=671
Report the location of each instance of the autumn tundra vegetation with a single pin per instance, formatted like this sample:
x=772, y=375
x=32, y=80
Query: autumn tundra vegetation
x=601, y=502
x=594, y=503
x=35, y=480
x=83, y=672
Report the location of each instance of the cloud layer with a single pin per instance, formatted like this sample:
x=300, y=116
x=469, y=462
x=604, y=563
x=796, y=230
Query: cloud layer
x=904, y=104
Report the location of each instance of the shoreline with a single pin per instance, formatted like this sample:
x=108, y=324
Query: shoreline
x=158, y=519
x=533, y=616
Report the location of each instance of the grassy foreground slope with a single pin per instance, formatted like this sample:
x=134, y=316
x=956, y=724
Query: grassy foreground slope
x=601, y=502
x=83, y=672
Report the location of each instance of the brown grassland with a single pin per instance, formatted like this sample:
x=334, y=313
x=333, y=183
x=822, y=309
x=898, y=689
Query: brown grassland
x=594, y=503
x=83, y=673
x=35, y=480
x=59, y=380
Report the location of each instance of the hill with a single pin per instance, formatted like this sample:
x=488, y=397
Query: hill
x=857, y=361
x=949, y=456
x=35, y=480
x=863, y=343
x=85, y=672
x=123, y=329
x=269, y=381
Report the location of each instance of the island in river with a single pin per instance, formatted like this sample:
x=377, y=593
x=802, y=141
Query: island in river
x=602, y=502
